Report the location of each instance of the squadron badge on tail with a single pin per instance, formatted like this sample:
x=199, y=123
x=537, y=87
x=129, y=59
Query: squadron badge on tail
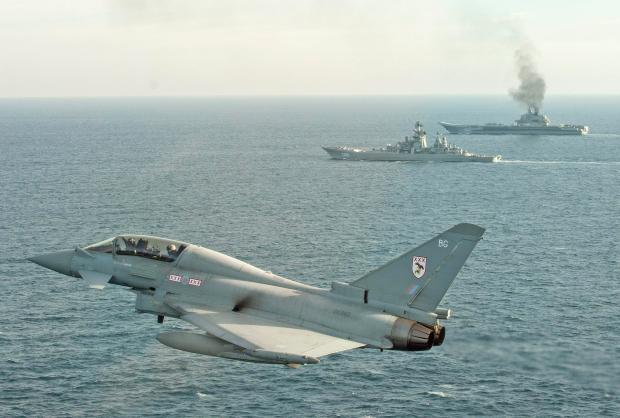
x=418, y=266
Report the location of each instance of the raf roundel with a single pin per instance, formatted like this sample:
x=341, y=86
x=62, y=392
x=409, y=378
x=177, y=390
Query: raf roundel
x=418, y=266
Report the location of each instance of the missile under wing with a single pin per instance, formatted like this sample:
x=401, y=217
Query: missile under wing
x=242, y=312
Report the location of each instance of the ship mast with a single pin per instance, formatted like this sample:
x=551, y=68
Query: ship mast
x=419, y=135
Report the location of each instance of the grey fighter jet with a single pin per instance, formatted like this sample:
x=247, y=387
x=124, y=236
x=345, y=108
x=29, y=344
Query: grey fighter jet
x=245, y=313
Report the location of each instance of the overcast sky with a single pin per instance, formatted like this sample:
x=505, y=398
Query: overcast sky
x=280, y=47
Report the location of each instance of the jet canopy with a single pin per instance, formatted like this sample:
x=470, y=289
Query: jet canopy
x=141, y=246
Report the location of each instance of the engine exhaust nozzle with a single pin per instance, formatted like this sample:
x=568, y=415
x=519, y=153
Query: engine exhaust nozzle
x=412, y=336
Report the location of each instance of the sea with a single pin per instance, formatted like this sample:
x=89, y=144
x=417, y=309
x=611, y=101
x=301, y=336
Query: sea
x=536, y=318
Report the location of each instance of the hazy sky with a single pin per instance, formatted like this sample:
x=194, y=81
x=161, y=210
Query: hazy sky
x=217, y=47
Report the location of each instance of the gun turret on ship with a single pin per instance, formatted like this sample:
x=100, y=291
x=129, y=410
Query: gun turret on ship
x=530, y=123
x=413, y=148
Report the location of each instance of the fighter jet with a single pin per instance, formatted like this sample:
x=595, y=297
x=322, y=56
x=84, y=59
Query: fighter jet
x=242, y=312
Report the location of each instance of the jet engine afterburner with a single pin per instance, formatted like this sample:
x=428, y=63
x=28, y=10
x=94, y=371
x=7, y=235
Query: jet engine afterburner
x=410, y=335
x=440, y=334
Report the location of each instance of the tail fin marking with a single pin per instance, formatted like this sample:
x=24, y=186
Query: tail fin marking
x=420, y=277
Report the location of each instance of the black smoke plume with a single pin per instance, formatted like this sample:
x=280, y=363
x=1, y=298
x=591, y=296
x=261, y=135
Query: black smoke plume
x=531, y=90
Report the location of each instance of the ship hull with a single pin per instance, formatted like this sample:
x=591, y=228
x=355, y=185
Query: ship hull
x=340, y=153
x=512, y=130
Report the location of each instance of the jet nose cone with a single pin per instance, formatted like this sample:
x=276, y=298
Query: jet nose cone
x=59, y=261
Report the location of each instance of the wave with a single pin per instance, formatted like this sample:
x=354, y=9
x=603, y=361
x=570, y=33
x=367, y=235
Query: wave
x=559, y=162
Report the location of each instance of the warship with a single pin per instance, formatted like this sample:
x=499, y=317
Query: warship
x=413, y=148
x=530, y=123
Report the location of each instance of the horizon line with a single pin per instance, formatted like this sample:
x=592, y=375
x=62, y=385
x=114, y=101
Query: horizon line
x=268, y=95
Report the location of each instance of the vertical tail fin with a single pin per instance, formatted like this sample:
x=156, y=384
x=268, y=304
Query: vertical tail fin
x=420, y=277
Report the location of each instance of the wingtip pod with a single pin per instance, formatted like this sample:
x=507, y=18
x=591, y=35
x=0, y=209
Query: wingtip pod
x=467, y=229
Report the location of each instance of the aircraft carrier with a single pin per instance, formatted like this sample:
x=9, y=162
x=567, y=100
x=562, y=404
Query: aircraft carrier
x=413, y=148
x=530, y=123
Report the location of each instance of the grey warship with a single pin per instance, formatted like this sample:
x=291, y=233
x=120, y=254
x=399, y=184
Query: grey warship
x=413, y=148
x=531, y=123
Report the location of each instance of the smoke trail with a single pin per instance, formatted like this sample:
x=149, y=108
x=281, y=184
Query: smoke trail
x=531, y=90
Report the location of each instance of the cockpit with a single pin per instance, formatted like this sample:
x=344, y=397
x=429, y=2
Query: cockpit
x=141, y=246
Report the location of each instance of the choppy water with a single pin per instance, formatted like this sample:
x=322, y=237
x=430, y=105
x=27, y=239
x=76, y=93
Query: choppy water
x=536, y=326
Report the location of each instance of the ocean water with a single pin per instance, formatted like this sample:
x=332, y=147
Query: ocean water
x=536, y=326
